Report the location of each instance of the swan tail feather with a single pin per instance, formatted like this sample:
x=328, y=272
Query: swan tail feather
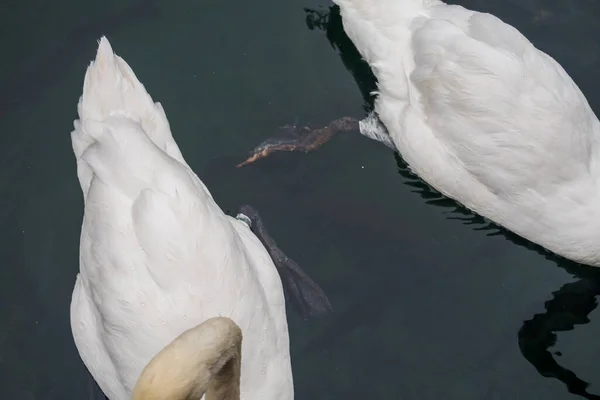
x=110, y=90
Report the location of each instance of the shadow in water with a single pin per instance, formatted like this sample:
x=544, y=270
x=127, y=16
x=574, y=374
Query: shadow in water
x=570, y=305
x=330, y=21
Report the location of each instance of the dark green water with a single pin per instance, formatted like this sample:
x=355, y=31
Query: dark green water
x=427, y=306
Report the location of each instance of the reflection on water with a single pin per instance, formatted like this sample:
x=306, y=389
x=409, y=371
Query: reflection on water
x=330, y=21
x=569, y=306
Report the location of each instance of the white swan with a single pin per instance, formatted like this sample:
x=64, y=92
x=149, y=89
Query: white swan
x=157, y=255
x=485, y=118
x=482, y=116
x=203, y=359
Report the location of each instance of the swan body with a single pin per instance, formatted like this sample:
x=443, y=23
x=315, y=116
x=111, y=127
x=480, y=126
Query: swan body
x=157, y=255
x=484, y=117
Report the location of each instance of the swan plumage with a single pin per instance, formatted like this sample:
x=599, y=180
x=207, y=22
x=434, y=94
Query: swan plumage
x=483, y=116
x=157, y=254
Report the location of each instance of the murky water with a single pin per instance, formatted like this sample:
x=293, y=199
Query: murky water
x=431, y=303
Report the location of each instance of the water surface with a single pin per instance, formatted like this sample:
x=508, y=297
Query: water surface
x=428, y=306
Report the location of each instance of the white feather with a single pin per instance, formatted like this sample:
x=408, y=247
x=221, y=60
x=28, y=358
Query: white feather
x=485, y=118
x=157, y=255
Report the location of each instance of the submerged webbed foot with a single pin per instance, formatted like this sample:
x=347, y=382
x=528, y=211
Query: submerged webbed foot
x=310, y=299
x=300, y=139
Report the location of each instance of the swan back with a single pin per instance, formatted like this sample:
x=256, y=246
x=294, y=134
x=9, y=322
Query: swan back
x=157, y=255
x=486, y=118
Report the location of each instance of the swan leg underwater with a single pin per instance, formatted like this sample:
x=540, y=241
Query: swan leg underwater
x=481, y=115
x=309, y=298
x=302, y=139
